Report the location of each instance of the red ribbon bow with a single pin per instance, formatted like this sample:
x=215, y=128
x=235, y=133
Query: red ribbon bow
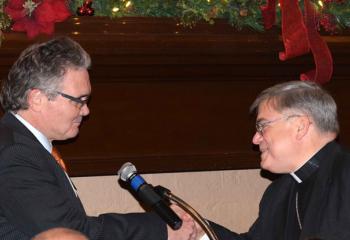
x=299, y=35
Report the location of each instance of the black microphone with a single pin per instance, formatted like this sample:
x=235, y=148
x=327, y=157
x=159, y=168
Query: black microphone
x=147, y=195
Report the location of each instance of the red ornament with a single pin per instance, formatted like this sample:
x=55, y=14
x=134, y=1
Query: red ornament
x=35, y=17
x=86, y=9
x=327, y=21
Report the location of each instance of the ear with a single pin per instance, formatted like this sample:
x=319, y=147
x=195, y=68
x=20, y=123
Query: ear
x=302, y=126
x=35, y=99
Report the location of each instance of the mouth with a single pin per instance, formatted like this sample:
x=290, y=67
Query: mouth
x=263, y=151
x=77, y=121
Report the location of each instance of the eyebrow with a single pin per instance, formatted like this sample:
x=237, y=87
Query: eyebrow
x=261, y=120
x=84, y=96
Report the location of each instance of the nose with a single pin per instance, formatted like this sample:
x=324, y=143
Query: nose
x=84, y=111
x=257, y=138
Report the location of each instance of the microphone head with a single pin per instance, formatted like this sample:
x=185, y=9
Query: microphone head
x=126, y=171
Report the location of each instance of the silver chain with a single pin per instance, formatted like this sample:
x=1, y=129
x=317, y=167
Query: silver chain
x=297, y=210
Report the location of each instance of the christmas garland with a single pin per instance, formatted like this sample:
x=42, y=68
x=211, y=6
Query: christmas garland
x=239, y=13
x=332, y=17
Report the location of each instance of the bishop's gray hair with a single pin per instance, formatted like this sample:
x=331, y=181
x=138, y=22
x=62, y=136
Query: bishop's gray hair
x=302, y=97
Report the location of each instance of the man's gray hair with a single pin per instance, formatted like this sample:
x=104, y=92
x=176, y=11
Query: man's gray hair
x=302, y=97
x=41, y=66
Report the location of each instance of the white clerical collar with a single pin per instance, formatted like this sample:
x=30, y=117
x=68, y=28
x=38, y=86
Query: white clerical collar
x=41, y=137
x=296, y=178
x=305, y=171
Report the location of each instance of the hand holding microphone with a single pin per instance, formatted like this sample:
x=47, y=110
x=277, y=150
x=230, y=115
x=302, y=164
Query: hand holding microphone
x=154, y=198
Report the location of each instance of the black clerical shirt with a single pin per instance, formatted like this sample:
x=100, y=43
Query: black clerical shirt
x=323, y=187
x=299, y=196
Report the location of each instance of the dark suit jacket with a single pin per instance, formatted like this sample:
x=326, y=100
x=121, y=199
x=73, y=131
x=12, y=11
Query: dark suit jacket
x=327, y=213
x=35, y=195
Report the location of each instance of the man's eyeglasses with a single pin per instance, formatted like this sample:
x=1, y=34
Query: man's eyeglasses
x=261, y=125
x=79, y=101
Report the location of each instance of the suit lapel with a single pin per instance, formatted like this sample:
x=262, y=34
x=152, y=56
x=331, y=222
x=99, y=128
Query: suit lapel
x=26, y=137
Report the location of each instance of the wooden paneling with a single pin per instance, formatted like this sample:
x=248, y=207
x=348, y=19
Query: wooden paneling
x=173, y=99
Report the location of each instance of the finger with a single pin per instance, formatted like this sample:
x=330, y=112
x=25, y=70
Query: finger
x=186, y=217
x=193, y=236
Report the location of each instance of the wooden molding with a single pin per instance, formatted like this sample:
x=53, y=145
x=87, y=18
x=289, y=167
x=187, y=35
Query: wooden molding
x=171, y=99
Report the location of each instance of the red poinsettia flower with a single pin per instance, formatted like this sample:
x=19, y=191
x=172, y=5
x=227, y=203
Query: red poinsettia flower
x=36, y=16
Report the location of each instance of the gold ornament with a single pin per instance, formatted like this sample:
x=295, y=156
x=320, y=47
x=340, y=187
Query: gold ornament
x=243, y=12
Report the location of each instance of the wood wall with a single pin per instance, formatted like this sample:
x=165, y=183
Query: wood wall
x=173, y=99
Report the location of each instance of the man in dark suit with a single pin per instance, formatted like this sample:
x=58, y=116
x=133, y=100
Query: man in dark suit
x=45, y=99
x=296, y=128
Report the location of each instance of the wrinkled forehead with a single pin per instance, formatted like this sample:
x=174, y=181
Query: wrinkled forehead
x=272, y=107
x=267, y=105
x=265, y=112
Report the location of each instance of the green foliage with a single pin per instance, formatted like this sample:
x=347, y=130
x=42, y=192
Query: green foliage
x=341, y=12
x=5, y=21
x=239, y=13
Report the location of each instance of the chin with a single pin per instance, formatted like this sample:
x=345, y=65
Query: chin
x=264, y=165
x=72, y=134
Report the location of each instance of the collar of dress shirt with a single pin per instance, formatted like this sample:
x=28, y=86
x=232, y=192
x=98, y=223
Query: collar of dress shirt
x=41, y=137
